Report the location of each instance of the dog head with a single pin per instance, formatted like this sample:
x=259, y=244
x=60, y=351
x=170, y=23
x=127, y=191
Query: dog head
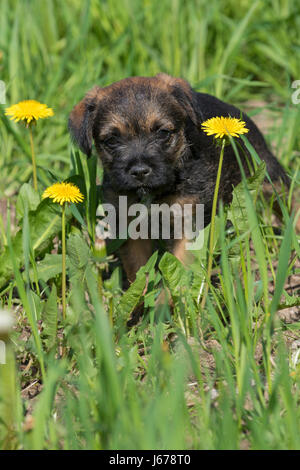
x=139, y=128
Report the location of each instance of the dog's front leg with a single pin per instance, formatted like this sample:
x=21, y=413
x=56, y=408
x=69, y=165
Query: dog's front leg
x=135, y=254
x=180, y=252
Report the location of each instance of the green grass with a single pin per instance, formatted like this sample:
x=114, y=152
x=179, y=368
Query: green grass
x=225, y=376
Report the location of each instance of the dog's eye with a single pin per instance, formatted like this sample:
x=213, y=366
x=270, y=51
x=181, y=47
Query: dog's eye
x=164, y=133
x=110, y=141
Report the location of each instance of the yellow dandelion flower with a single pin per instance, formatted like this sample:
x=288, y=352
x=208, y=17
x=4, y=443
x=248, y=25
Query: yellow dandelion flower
x=220, y=126
x=29, y=111
x=63, y=192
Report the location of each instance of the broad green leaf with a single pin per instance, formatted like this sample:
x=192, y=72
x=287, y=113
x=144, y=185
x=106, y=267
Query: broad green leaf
x=44, y=224
x=149, y=266
x=172, y=270
x=49, y=317
x=237, y=212
x=27, y=195
x=290, y=301
x=133, y=295
x=174, y=274
x=49, y=267
x=36, y=304
x=78, y=250
x=114, y=282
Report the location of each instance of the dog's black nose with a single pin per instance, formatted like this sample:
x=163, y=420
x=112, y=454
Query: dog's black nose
x=140, y=172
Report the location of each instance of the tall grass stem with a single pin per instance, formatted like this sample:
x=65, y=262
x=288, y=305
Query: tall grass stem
x=33, y=159
x=63, y=243
x=212, y=226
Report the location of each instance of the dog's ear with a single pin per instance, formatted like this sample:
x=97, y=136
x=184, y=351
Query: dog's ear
x=81, y=120
x=184, y=94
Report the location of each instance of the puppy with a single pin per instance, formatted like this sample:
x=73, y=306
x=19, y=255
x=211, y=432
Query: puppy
x=147, y=133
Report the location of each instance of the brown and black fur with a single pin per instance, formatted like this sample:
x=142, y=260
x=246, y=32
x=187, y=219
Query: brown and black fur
x=147, y=132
